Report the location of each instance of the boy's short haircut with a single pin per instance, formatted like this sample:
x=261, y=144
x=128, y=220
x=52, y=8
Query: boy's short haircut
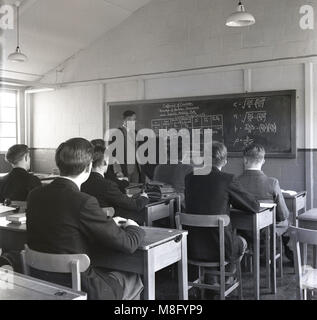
x=219, y=154
x=98, y=143
x=74, y=156
x=98, y=157
x=127, y=114
x=254, y=153
x=16, y=153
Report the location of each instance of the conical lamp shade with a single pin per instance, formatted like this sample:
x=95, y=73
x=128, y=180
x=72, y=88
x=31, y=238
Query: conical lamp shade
x=240, y=18
x=17, y=56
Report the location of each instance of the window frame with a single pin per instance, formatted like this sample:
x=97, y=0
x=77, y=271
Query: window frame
x=17, y=112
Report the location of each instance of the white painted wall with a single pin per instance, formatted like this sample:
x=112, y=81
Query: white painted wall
x=66, y=113
x=170, y=35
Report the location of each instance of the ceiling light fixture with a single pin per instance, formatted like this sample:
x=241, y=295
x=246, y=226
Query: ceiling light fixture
x=18, y=56
x=240, y=18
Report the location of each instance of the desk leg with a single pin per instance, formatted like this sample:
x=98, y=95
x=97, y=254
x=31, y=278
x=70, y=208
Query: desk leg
x=315, y=257
x=268, y=257
x=148, y=221
x=182, y=272
x=171, y=209
x=256, y=257
x=149, y=276
x=273, y=255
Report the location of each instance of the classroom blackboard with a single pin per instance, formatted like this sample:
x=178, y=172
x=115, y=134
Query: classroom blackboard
x=268, y=118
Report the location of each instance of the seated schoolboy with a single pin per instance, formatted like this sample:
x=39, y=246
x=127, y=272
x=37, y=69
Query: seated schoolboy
x=63, y=220
x=110, y=173
x=108, y=193
x=18, y=183
x=263, y=187
x=213, y=194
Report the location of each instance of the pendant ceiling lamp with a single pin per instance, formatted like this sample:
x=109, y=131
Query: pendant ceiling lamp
x=240, y=18
x=18, y=56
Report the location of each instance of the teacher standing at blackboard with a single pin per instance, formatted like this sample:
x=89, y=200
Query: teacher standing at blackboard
x=132, y=171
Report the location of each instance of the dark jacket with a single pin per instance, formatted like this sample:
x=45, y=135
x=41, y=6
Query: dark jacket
x=124, y=167
x=265, y=188
x=213, y=194
x=17, y=184
x=63, y=220
x=122, y=184
x=108, y=194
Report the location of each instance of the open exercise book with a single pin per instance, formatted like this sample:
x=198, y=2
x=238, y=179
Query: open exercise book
x=290, y=192
x=4, y=209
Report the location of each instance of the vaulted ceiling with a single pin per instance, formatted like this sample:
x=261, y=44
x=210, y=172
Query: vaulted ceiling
x=54, y=30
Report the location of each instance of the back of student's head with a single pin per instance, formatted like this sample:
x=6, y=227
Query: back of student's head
x=74, y=156
x=16, y=153
x=127, y=114
x=254, y=153
x=219, y=154
x=98, y=157
x=98, y=143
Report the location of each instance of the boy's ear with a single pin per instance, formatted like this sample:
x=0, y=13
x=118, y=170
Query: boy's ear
x=89, y=167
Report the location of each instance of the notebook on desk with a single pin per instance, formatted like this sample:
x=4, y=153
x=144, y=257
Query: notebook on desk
x=19, y=218
x=4, y=209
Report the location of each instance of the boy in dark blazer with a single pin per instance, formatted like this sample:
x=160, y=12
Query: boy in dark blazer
x=213, y=194
x=18, y=183
x=63, y=220
x=263, y=187
x=108, y=193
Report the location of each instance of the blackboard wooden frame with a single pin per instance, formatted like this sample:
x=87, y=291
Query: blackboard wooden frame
x=292, y=93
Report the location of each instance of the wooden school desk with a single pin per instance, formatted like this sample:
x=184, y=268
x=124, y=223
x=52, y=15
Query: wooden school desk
x=162, y=209
x=15, y=286
x=255, y=222
x=295, y=204
x=160, y=248
x=12, y=236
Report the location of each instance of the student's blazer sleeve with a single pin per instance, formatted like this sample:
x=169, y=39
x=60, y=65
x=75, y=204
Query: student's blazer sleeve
x=282, y=212
x=104, y=232
x=116, y=198
x=241, y=199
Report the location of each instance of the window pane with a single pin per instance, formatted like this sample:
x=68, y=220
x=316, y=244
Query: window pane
x=8, y=99
x=7, y=115
x=7, y=130
x=6, y=143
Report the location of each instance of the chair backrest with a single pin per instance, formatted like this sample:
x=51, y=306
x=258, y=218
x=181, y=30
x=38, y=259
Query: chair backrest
x=196, y=220
x=59, y=263
x=305, y=237
x=207, y=221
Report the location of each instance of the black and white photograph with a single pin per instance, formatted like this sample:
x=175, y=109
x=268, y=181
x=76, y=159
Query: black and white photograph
x=159, y=154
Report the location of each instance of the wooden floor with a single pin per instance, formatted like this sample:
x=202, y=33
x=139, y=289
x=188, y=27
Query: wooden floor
x=166, y=288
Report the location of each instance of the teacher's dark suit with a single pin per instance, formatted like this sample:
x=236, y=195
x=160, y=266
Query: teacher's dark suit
x=212, y=194
x=108, y=194
x=63, y=220
x=17, y=184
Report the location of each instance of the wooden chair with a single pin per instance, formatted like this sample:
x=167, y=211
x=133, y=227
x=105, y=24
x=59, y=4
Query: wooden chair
x=306, y=277
x=211, y=221
x=308, y=220
x=59, y=263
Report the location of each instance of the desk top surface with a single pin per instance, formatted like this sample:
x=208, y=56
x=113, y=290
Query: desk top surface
x=262, y=210
x=157, y=236
x=153, y=236
x=7, y=225
x=15, y=286
x=298, y=194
